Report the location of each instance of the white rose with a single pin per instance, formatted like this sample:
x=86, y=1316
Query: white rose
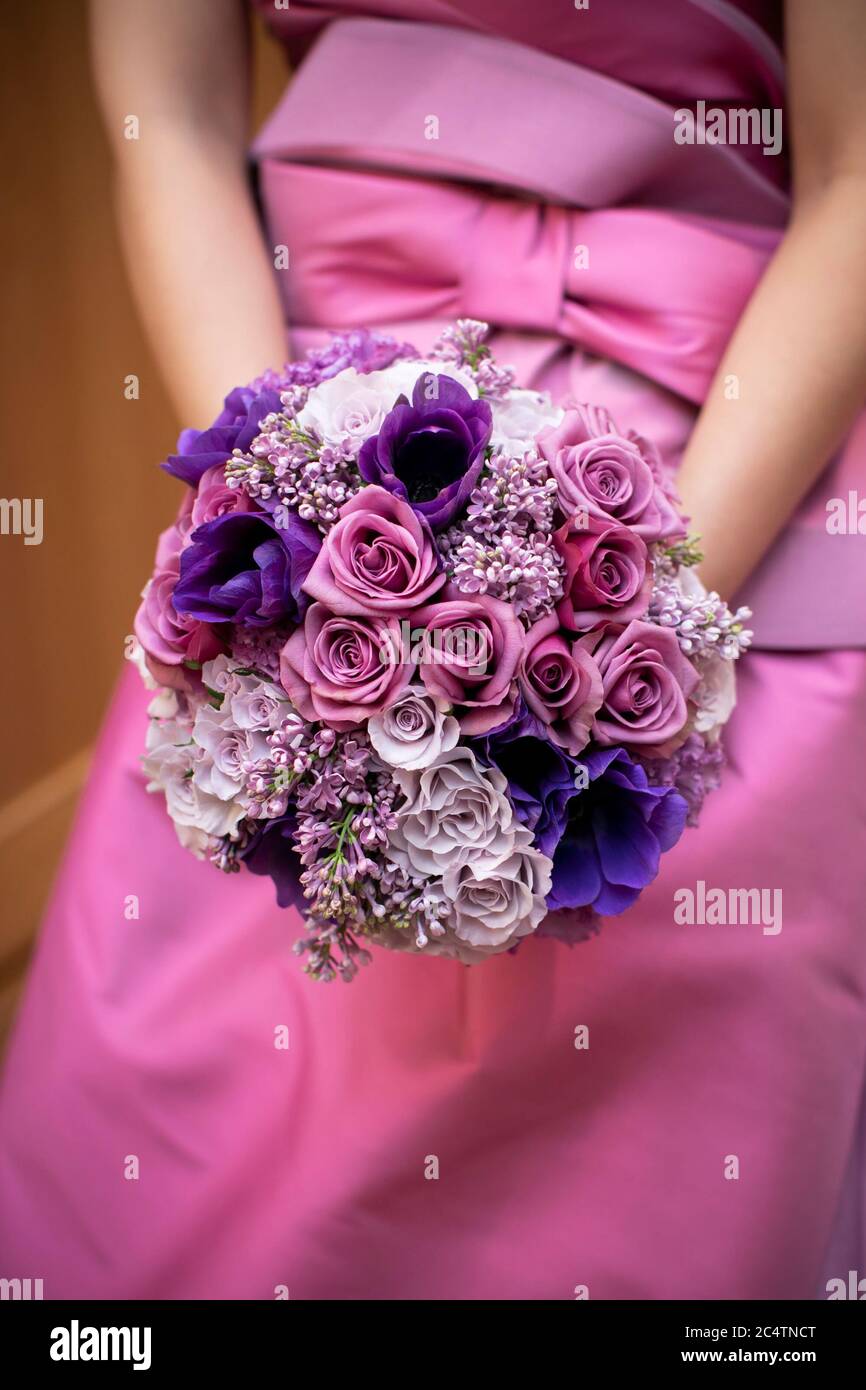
x=167, y=735
x=135, y=655
x=222, y=750
x=219, y=674
x=715, y=696
x=352, y=405
x=347, y=406
x=191, y=807
x=249, y=702
x=403, y=375
x=494, y=900
x=451, y=807
x=413, y=731
x=258, y=705
x=168, y=763
x=196, y=841
x=164, y=705
x=520, y=418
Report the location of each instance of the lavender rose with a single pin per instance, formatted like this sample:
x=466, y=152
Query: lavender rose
x=379, y=558
x=560, y=683
x=215, y=498
x=608, y=475
x=414, y=730
x=431, y=452
x=343, y=670
x=646, y=681
x=469, y=653
x=452, y=807
x=494, y=900
x=608, y=575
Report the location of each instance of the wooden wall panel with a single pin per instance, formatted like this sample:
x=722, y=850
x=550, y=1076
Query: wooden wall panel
x=68, y=338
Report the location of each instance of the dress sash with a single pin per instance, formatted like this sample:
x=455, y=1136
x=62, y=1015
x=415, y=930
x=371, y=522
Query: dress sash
x=575, y=217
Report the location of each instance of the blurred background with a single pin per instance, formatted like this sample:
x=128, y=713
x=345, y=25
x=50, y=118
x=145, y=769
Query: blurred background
x=68, y=339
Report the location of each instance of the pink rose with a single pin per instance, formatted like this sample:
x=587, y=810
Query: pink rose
x=169, y=638
x=646, y=682
x=174, y=538
x=608, y=576
x=470, y=649
x=604, y=474
x=341, y=670
x=379, y=558
x=214, y=497
x=560, y=683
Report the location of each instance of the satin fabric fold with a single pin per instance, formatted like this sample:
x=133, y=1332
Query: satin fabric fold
x=654, y=292
x=369, y=88
x=674, y=50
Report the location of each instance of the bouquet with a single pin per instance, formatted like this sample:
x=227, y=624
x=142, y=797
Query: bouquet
x=431, y=653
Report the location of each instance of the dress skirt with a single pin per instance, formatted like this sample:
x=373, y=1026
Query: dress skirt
x=667, y=1110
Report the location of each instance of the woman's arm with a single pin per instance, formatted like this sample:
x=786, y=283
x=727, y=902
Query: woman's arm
x=199, y=267
x=799, y=351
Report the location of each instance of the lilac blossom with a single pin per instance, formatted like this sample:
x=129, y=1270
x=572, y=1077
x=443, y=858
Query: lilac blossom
x=257, y=650
x=288, y=470
x=524, y=572
x=694, y=770
x=503, y=546
x=465, y=344
x=342, y=801
x=702, y=621
x=361, y=348
x=518, y=493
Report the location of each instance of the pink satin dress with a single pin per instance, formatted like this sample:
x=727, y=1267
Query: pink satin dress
x=437, y=1131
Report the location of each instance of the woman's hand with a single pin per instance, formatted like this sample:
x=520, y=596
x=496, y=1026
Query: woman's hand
x=799, y=352
x=201, y=273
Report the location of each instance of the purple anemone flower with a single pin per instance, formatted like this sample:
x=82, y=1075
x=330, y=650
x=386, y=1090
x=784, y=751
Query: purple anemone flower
x=616, y=831
x=271, y=853
x=244, y=568
x=540, y=775
x=430, y=452
x=235, y=427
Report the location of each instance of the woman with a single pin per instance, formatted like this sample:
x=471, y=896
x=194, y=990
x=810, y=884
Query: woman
x=667, y=1110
